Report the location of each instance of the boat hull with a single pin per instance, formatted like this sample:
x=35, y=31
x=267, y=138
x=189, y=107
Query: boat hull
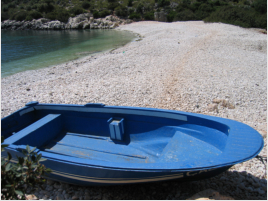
x=99, y=176
x=96, y=144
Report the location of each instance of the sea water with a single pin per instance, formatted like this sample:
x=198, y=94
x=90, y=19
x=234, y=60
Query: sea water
x=32, y=49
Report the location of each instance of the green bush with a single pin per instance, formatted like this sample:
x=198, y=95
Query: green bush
x=60, y=14
x=63, y=15
x=130, y=3
x=34, y=6
x=28, y=8
x=51, y=16
x=216, y=3
x=28, y=171
x=85, y=5
x=149, y=15
x=45, y=7
x=104, y=13
x=113, y=5
x=205, y=7
x=140, y=8
x=246, y=2
x=96, y=14
x=260, y=6
x=19, y=16
x=241, y=16
x=11, y=5
x=261, y=21
x=29, y=18
x=35, y=15
x=194, y=7
x=185, y=15
x=77, y=10
x=202, y=1
x=204, y=10
x=5, y=8
x=41, y=7
x=134, y=15
x=121, y=11
x=131, y=10
x=163, y=3
x=186, y=2
x=4, y=16
x=171, y=16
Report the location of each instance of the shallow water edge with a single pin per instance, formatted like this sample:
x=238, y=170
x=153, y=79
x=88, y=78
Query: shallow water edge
x=29, y=50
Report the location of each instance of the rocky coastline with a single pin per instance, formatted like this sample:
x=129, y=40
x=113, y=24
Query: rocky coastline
x=82, y=21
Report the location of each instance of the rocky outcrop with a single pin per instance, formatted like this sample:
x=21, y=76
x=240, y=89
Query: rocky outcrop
x=160, y=16
x=82, y=21
x=79, y=22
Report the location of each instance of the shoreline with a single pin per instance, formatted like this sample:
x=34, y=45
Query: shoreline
x=75, y=56
x=209, y=68
x=81, y=21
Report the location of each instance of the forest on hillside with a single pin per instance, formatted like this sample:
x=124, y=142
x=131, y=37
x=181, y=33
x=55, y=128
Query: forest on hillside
x=245, y=13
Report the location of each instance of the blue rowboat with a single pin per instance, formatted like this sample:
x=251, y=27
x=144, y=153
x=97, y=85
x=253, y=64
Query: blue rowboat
x=94, y=144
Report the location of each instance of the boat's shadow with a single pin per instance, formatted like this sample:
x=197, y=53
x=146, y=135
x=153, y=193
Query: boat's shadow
x=238, y=185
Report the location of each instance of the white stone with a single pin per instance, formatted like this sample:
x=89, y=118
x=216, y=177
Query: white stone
x=213, y=60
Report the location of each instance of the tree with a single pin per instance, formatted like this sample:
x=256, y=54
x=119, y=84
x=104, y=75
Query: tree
x=85, y=5
x=113, y=5
x=140, y=8
x=121, y=11
x=149, y=15
x=163, y=3
x=130, y=3
x=260, y=6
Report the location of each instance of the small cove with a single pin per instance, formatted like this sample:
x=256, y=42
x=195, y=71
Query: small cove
x=31, y=49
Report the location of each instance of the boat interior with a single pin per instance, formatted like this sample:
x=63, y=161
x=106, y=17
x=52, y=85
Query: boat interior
x=115, y=137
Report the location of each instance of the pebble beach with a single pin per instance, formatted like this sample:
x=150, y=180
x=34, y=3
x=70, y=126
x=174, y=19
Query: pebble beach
x=208, y=68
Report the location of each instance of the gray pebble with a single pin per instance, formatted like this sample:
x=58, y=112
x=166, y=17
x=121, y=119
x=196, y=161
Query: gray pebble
x=178, y=194
x=49, y=188
x=250, y=189
x=66, y=196
x=50, y=182
x=105, y=197
x=75, y=197
x=57, y=186
x=223, y=178
x=256, y=185
x=250, y=180
x=98, y=197
x=60, y=197
x=64, y=186
x=241, y=185
x=261, y=191
x=264, y=188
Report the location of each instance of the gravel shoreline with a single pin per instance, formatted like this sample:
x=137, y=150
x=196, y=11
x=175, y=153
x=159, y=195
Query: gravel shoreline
x=209, y=68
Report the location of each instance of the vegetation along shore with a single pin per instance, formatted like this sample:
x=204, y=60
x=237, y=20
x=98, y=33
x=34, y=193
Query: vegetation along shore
x=244, y=13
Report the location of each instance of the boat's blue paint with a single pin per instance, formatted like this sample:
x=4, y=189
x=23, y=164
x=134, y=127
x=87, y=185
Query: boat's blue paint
x=97, y=144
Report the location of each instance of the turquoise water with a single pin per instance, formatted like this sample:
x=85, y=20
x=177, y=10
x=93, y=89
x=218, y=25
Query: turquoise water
x=27, y=50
